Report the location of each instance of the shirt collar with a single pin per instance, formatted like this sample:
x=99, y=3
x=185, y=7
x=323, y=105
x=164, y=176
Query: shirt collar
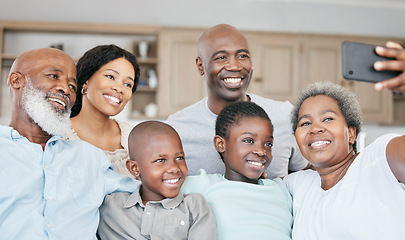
x=167, y=203
x=11, y=133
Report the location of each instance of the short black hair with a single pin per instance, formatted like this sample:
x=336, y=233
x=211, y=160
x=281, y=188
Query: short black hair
x=232, y=113
x=92, y=61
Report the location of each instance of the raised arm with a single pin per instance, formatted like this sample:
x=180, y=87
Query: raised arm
x=396, y=157
x=393, y=50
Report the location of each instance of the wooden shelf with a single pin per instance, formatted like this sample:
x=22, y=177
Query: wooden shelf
x=8, y=57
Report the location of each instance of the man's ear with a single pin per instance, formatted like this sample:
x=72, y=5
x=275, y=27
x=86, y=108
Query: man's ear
x=219, y=143
x=16, y=80
x=352, y=135
x=133, y=168
x=200, y=66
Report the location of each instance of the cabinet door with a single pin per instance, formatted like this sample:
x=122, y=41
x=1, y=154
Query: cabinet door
x=275, y=59
x=377, y=107
x=180, y=83
x=322, y=61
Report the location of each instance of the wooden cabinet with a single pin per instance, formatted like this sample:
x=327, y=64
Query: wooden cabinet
x=180, y=83
x=76, y=39
x=276, y=64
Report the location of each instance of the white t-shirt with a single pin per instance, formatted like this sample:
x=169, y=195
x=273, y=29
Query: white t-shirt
x=367, y=203
x=196, y=126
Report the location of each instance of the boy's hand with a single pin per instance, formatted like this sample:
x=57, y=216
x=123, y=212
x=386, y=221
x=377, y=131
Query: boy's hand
x=393, y=50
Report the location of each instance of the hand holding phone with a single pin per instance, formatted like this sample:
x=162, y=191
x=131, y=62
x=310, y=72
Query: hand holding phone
x=358, y=63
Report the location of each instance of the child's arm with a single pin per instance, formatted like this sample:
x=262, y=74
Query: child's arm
x=202, y=220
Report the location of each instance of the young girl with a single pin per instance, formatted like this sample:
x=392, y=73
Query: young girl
x=350, y=195
x=107, y=76
x=245, y=206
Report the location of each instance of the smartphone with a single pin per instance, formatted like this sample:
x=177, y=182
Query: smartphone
x=358, y=63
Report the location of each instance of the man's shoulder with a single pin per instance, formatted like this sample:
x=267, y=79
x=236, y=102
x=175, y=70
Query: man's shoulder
x=267, y=102
x=188, y=112
x=195, y=117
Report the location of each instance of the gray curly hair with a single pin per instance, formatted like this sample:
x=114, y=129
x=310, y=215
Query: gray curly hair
x=347, y=102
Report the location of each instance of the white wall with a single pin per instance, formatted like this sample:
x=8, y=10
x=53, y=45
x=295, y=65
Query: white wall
x=358, y=17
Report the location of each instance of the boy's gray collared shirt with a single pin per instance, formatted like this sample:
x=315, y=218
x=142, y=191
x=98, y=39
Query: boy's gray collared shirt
x=124, y=216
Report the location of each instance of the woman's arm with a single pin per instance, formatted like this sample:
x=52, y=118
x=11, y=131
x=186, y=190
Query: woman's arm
x=396, y=157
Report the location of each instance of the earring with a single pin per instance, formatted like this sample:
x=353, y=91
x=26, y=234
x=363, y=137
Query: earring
x=83, y=91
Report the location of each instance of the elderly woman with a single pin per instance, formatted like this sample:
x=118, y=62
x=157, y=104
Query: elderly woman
x=350, y=195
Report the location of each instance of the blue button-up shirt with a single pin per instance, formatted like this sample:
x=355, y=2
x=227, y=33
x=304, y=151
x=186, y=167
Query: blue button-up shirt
x=53, y=193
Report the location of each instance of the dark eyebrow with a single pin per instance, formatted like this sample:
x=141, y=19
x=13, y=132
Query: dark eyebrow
x=243, y=50
x=60, y=71
x=322, y=112
x=112, y=70
x=223, y=51
x=218, y=52
x=303, y=116
x=57, y=69
x=249, y=133
x=74, y=80
x=255, y=134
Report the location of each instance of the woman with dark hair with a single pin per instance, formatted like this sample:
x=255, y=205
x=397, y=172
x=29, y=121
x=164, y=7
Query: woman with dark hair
x=107, y=76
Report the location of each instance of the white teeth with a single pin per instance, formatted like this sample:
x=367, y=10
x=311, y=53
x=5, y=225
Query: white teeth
x=259, y=164
x=319, y=143
x=232, y=80
x=112, y=98
x=171, y=181
x=58, y=101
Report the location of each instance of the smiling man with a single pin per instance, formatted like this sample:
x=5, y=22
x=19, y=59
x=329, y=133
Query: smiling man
x=52, y=188
x=224, y=59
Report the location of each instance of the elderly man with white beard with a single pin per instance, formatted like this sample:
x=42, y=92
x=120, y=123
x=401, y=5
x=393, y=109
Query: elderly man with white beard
x=51, y=188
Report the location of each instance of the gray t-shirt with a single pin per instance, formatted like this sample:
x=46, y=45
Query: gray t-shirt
x=124, y=216
x=196, y=127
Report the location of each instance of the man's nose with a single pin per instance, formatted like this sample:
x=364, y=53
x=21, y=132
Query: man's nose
x=234, y=64
x=63, y=87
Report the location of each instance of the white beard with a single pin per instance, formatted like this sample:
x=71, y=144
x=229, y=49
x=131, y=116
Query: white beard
x=52, y=120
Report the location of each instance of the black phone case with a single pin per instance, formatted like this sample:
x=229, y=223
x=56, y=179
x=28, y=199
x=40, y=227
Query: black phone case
x=358, y=63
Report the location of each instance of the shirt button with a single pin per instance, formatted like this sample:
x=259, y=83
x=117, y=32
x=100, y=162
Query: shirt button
x=50, y=197
x=49, y=225
x=182, y=223
x=147, y=213
x=46, y=166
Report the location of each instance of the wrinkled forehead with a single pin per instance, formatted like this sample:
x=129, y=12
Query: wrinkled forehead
x=60, y=63
x=43, y=57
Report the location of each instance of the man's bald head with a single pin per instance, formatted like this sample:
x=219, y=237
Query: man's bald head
x=216, y=32
x=29, y=60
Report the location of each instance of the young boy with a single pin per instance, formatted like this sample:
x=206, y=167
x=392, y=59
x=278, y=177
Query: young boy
x=157, y=209
x=245, y=206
